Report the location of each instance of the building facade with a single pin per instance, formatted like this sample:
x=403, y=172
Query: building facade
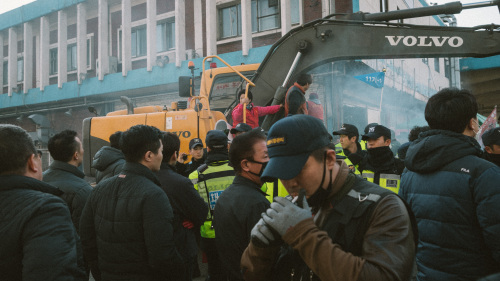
x=62, y=57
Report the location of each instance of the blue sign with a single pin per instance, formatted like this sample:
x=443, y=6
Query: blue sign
x=375, y=79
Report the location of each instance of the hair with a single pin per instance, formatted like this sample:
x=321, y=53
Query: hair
x=16, y=147
x=242, y=148
x=242, y=92
x=114, y=139
x=171, y=145
x=416, y=130
x=319, y=153
x=62, y=146
x=304, y=79
x=451, y=109
x=138, y=140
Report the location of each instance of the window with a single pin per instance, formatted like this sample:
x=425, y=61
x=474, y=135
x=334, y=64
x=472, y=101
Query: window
x=265, y=15
x=20, y=69
x=139, y=42
x=5, y=73
x=72, y=60
x=165, y=36
x=230, y=21
x=53, y=61
x=436, y=64
x=447, y=70
x=295, y=11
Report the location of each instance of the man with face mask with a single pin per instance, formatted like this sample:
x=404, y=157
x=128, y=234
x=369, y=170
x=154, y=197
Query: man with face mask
x=359, y=231
x=379, y=164
x=240, y=206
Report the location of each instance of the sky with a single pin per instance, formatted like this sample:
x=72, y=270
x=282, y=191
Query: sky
x=471, y=17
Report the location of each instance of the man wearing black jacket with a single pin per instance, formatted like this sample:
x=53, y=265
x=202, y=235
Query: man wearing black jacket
x=38, y=240
x=126, y=226
x=190, y=210
x=240, y=206
x=67, y=151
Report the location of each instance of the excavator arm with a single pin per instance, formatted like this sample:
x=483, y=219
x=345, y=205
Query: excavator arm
x=326, y=40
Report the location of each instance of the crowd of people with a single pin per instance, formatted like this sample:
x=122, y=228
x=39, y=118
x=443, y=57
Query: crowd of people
x=287, y=204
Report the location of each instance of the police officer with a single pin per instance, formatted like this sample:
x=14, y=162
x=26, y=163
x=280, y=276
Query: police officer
x=379, y=165
x=211, y=179
x=351, y=152
x=198, y=155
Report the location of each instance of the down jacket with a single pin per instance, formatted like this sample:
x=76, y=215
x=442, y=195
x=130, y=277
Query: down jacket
x=126, y=228
x=38, y=240
x=454, y=195
x=108, y=162
x=70, y=180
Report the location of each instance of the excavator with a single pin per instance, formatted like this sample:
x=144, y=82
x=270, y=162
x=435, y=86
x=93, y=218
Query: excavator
x=351, y=37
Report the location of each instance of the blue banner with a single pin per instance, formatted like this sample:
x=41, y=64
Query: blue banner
x=375, y=79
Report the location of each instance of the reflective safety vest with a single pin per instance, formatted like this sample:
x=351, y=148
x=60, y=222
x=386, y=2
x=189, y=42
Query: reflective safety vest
x=363, y=145
x=388, y=181
x=210, y=181
x=270, y=190
x=341, y=155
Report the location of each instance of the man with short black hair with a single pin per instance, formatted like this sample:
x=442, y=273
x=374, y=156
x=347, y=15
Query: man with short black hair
x=359, y=231
x=453, y=193
x=491, y=141
x=67, y=151
x=351, y=152
x=198, y=156
x=211, y=179
x=240, y=206
x=295, y=100
x=38, y=239
x=126, y=226
x=189, y=208
x=379, y=164
x=109, y=160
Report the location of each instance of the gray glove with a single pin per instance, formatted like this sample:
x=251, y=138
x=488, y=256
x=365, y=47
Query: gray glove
x=283, y=214
x=261, y=235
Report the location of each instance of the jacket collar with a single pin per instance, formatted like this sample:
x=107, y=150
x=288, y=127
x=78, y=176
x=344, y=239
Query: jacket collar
x=141, y=170
x=59, y=165
x=22, y=182
x=217, y=156
x=240, y=180
x=300, y=88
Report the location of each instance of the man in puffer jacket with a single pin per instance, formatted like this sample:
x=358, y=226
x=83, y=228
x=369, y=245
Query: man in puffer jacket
x=126, y=226
x=109, y=160
x=38, y=240
x=453, y=193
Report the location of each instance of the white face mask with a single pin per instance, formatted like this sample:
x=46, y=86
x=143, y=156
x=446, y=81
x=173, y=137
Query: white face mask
x=476, y=133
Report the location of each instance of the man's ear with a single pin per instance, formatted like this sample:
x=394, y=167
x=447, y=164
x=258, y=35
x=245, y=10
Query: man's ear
x=388, y=142
x=331, y=158
x=488, y=149
x=147, y=156
x=244, y=165
x=31, y=164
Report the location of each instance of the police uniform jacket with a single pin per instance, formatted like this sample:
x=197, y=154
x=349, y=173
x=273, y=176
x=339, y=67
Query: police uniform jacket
x=69, y=179
x=454, y=195
x=383, y=169
x=126, y=228
x=38, y=239
x=376, y=243
x=211, y=180
x=238, y=209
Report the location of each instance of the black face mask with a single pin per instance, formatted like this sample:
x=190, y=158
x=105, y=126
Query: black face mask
x=262, y=167
x=493, y=158
x=319, y=197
